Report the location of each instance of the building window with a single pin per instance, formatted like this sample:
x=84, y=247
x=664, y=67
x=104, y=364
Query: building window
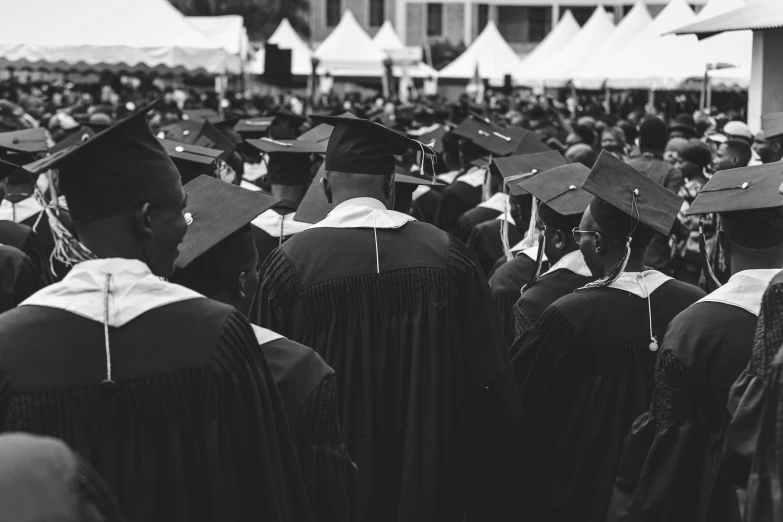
x=540, y=23
x=483, y=16
x=377, y=12
x=333, y=12
x=434, y=19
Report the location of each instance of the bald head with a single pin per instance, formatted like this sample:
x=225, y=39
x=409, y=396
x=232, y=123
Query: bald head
x=342, y=186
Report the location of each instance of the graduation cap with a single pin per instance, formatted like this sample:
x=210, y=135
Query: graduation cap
x=322, y=131
x=7, y=168
x=530, y=144
x=250, y=128
x=364, y=147
x=201, y=115
x=216, y=210
x=24, y=141
x=199, y=133
x=560, y=192
x=285, y=124
x=83, y=134
x=113, y=172
x=192, y=161
x=434, y=139
x=314, y=206
x=414, y=178
x=289, y=160
x=514, y=169
x=772, y=124
x=627, y=204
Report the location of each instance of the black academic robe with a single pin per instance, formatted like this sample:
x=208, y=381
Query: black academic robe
x=671, y=468
x=424, y=383
x=473, y=218
x=455, y=201
x=25, y=239
x=266, y=243
x=19, y=278
x=506, y=285
x=425, y=207
x=548, y=289
x=485, y=242
x=585, y=373
x=44, y=232
x=308, y=388
x=196, y=429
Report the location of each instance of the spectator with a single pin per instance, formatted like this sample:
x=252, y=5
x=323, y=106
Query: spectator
x=770, y=150
x=613, y=140
x=732, y=155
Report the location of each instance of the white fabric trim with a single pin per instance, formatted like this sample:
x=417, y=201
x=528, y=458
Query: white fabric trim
x=573, y=262
x=363, y=213
x=475, y=177
x=249, y=186
x=25, y=209
x=420, y=191
x=133, y=291
x=632, y=282
x=498, y=201
x=448, y=177
x=744, y=290
x=264, y=336
x=531, y=252
x=270, y=222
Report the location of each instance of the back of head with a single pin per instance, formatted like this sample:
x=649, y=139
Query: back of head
x=653, y=135
x=740, y=150
x=697, y=152
x=757, y=229
x=581, y=153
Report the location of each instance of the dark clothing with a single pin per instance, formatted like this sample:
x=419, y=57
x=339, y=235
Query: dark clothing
x=19, y=278
x=425, y=207
x=194, y=429
x=671, y=468
x=456, y=200
x=44, y=232
x=266, y=243
x=22, y=237
x=585, y=373
x=506, y=285
x=485, y=242
x=473, y=218
x=424, y=382
x=308, y=388
x=658, y=254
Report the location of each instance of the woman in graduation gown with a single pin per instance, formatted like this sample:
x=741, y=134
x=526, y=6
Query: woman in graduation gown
x=672, y=466
x=402, y=313
x=585, y=370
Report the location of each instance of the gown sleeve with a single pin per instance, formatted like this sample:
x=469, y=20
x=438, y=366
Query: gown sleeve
x=329, y=473
x=277, y=302
x=504, y=302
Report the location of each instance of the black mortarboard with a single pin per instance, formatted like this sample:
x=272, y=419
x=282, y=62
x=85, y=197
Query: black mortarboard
x=322, y=131
x=83, y=134
x=251, y=128
x=216, y=210
x=627, y=202
x=314, y=206
x=192, y=161
x=363, y=147
x=26, y=141
x=434, y=139
x=530, y=144
x=201, y=134
x=563, y=200
x=7, y=168
x=286, y=124
x=113, y=172
x=749, y=203
x=515, y=168
x=200, y=115
x=488, y=136
x=414, y=178
x=772, y=124
x=289, y=160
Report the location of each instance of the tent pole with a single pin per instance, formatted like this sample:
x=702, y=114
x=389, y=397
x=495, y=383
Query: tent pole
x=607, y=99
x=708, y=88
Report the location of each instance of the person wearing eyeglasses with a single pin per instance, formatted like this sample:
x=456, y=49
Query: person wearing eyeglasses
x=585, y=370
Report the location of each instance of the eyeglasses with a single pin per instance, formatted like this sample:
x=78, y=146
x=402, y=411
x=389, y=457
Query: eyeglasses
x=578, y=234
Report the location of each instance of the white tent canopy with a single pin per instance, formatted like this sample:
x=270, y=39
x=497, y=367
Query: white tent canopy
x=734, y=47
x=103, y=34
x=583, y=76
x=596, y=30
x=349, y=51
x=228, y=32
x=490, y=54
x=285, y=37
x=533, y=64
x=387, y=39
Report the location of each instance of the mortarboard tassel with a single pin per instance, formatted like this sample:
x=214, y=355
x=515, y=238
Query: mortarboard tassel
x=504, y=229
x=539, y=261
x=486, y=189
x=67, y=249
x=709, y=273
x=107, y=387
x=653, y=341
x=532, y=232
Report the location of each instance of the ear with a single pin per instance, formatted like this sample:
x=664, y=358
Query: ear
x=142, y=220
x=599, y=243
x=240, y=286
x=723, y=242
x=560, y=240
x=326, y=188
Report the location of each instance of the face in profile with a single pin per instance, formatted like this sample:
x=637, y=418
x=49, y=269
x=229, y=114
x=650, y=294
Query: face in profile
x=168, y=225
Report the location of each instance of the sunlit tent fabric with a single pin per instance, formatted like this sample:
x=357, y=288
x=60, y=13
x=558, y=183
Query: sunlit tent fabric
x=755, y=15
x=285, y=37
x=533, y=65
x=227, y=31
x=106, y=34
x=490, y=54
x=584, y=76
x=349, y=51
x=596, y=30
x=387, y=38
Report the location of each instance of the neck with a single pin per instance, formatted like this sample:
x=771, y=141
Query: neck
x=342, y=197
x=560, y=254
x=759, y=260
x=636, y=261
x=293, y=193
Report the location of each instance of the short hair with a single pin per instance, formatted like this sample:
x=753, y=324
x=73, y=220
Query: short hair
x=586, y=134
x=741, y=150
x=697, y=152
x=653, y=134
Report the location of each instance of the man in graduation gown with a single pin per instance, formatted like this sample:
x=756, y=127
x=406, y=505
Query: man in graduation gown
x=160, y=389
x=403, y=314
x=19, y=277
x=585, y=370
x=671, y=467
x=288, y=176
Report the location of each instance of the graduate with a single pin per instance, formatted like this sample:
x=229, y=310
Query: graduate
x=218, y=260
x=288, y=176
x=424, y=382
x=19, y=277
x=671, y=467
x=157, y=387
x=585, y=370
x=561, y=203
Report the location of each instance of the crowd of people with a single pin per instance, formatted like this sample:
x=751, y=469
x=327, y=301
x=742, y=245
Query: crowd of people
x=216, y=309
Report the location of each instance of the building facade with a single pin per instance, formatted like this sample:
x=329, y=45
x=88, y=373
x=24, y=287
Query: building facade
x=523, y=23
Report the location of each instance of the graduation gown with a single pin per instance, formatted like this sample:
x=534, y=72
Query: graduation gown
x=486, y=211
x=563, y=278
x=671, y=468
x=195, y=428
x=424, y=383
x=19, y=278
x=425, y=204
x=274, y=227
x=585, y=373
x=22, y=237
x=308, y=388
x=506, y=285
x=485, y=242
x=458, y=198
